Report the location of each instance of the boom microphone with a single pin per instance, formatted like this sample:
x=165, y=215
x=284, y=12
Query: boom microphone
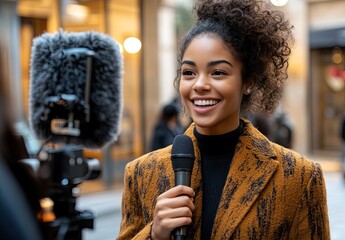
x=182, y=159
x=76, y=88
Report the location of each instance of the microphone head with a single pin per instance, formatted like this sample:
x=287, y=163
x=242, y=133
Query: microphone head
x=182, y=153
x=76, y=88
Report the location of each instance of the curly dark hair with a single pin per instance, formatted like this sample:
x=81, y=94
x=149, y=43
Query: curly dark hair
x=259, y=38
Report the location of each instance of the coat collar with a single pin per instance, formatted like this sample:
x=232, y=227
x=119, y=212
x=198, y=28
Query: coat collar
x=252, y=167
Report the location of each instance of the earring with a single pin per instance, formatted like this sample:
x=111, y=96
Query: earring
x=248, y=91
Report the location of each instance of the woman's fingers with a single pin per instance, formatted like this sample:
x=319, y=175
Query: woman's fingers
x=165, y=221
x=175, y=202
x=174, y=213
x=174, y=208
x=177, y=191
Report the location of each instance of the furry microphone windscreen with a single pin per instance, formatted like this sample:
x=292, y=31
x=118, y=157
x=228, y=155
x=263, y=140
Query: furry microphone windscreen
x=55, y=73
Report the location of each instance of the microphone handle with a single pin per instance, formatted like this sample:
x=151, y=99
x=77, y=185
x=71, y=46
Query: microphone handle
x=181, y=178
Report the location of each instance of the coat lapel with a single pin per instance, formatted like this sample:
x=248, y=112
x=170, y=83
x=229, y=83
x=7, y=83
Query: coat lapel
x=252, y=167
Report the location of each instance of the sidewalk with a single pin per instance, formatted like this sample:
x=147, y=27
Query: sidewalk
x=99, y=200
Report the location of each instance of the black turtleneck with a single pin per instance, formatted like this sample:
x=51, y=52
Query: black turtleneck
x=216, y=152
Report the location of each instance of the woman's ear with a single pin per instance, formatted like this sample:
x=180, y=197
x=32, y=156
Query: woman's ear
x=248, y=86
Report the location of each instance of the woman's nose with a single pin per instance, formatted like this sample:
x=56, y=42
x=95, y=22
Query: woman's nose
x=202, y=84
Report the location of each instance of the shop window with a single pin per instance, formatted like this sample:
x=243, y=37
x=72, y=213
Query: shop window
x=327, y=97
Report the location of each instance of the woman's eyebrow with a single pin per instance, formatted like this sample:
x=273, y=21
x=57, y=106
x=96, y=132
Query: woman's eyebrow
x=209, y=64
x=188, y=62
x=212, y=63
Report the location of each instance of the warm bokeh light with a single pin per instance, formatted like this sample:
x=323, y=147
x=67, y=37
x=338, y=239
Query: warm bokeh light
x=132, y=45
x=279, y=3
x=76, y=12
x=337, y=55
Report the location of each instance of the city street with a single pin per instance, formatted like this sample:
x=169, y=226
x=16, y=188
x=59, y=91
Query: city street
x=107, y=223
x=93, y=77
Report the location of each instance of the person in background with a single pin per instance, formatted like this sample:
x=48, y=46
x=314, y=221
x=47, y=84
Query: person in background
x=282, y=129
x=277, y=127
x=167, y=127
x=263, y=122
x=233, y=61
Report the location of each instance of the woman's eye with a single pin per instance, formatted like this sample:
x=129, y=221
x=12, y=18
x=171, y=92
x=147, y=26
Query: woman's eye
x=219, y=72
x=188, y=73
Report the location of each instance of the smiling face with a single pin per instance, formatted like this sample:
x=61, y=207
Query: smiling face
x=211, y=85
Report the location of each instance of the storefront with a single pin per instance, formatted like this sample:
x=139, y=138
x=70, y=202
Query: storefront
x=326, y=81
x=327, y=88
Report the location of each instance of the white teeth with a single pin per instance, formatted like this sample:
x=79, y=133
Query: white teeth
x=205, y=102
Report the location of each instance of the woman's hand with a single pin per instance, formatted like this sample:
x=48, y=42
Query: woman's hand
x=173, y=209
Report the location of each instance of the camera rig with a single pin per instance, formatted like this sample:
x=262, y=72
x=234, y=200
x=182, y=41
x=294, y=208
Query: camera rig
x=62, y=166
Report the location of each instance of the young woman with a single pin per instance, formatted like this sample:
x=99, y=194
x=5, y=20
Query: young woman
x=233, y=61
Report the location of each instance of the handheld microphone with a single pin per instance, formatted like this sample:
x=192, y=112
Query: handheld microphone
x=76, y=88
x=182, y=159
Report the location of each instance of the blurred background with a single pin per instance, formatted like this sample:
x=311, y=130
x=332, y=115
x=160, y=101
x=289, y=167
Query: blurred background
x=148, y=32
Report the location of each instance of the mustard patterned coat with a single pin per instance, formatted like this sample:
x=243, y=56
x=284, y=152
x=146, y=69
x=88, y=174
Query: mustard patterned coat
x=270, y=193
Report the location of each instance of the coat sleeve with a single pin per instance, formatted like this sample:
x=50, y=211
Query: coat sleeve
x=133, y=224
x=311, y=219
